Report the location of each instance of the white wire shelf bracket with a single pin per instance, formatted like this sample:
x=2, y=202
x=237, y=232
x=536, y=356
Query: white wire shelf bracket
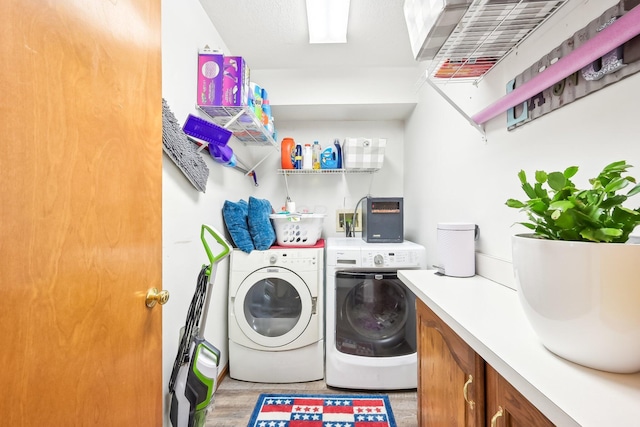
x=487, y=32
x=246, y=128
x=242, y=122
x=479, y=128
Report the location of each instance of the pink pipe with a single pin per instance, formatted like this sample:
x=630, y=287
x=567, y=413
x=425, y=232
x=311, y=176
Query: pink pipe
x=619, y=32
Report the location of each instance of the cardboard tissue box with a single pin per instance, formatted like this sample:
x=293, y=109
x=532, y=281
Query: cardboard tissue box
x=235, y=82
x=363, y=153
x=210, y=67
x=223, y=81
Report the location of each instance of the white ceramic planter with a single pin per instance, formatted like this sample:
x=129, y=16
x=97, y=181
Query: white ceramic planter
x=582, y=299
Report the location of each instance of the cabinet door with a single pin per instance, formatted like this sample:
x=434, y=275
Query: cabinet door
x=506, y=407
x=450, y=375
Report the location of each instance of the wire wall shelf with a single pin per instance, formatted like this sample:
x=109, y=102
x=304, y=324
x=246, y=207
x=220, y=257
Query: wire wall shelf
x=242, y=122
x=488, y=31
x=325, y=171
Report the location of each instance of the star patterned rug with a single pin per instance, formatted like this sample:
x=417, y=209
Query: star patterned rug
x=328, y=410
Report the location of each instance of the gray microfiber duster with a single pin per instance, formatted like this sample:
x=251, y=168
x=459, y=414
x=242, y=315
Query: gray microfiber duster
x=182, y=151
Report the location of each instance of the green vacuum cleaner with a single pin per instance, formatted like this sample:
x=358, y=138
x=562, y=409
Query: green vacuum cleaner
x=195, y=370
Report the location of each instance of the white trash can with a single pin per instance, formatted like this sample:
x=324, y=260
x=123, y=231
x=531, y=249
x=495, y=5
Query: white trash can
x=456, y=249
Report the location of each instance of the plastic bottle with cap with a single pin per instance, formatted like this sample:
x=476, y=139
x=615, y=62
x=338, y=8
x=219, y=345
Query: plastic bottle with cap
x=317, y=152
x=336, y=143
x=298, y=157
x=307, y=157
x=287, y=153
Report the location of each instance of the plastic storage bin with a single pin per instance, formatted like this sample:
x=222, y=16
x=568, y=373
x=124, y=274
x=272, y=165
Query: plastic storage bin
x=297, y=229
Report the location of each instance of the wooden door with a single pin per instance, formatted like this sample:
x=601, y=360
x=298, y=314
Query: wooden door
x=80, y=214
x=507, y=407
x=450, y=375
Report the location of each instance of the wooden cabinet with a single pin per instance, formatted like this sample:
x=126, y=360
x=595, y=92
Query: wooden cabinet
x=507, y=407
x=456, y=387
x=451, y=375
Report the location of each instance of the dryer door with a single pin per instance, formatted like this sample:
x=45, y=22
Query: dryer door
x=273, y=306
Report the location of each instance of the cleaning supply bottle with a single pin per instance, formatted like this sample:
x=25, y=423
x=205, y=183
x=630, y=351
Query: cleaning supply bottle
x=328, y=158
x=257, y=100
x=266, y=112
x=298, y=157
x=287, y=153
x=223, y=154
x=307, y=157
x=266, y=107
x=271, y=127
x=336, y=143
x=317, y=152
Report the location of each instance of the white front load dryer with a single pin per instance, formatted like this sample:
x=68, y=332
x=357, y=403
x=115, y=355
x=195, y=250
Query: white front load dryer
x=276, y=315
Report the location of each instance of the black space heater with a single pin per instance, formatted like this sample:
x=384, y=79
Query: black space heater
x=382, y=220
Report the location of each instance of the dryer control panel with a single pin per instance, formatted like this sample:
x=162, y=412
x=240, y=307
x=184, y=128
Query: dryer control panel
x=293, y=258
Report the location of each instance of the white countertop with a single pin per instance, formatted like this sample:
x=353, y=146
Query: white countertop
x=489, y=318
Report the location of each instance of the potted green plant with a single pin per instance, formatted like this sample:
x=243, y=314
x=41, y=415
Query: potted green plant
x=577, y=277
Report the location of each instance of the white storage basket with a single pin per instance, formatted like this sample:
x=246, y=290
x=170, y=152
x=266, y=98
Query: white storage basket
x=297, y=229
x=364, y=153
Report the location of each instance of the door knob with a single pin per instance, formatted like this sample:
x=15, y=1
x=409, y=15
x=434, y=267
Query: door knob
x=154, y=296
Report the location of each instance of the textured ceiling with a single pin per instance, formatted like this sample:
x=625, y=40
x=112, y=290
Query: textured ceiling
x=272, y=34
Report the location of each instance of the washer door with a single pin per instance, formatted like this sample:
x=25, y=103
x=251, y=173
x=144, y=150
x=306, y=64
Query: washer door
x=273, y=306
x=375, y=315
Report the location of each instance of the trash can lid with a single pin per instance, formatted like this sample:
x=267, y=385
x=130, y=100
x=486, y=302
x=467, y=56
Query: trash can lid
x=459, y=226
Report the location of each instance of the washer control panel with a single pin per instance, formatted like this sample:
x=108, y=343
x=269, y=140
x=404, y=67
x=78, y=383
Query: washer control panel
x=352, y=253
x=389, y=259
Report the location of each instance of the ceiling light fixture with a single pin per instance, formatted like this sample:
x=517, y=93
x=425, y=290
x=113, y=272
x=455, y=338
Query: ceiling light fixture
x=327, y=20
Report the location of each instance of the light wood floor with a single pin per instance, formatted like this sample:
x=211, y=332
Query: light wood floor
x=235, y=400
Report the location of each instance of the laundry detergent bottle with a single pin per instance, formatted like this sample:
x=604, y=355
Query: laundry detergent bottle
x=336, y=143
x=297, y=164
x=288, y=152
x=329, y=158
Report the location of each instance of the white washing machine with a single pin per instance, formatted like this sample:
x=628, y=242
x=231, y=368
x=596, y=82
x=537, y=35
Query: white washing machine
x=370, y=314
x=275, y=315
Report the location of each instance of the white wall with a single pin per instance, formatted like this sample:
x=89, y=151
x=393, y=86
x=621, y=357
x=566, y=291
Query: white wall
x=436, y=160
x=185, y=28
x=469, y=180
x=326, y=193
x=338, y=85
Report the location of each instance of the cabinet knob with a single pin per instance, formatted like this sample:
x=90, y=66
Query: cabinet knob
x=494, y=420
x=465, y=392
